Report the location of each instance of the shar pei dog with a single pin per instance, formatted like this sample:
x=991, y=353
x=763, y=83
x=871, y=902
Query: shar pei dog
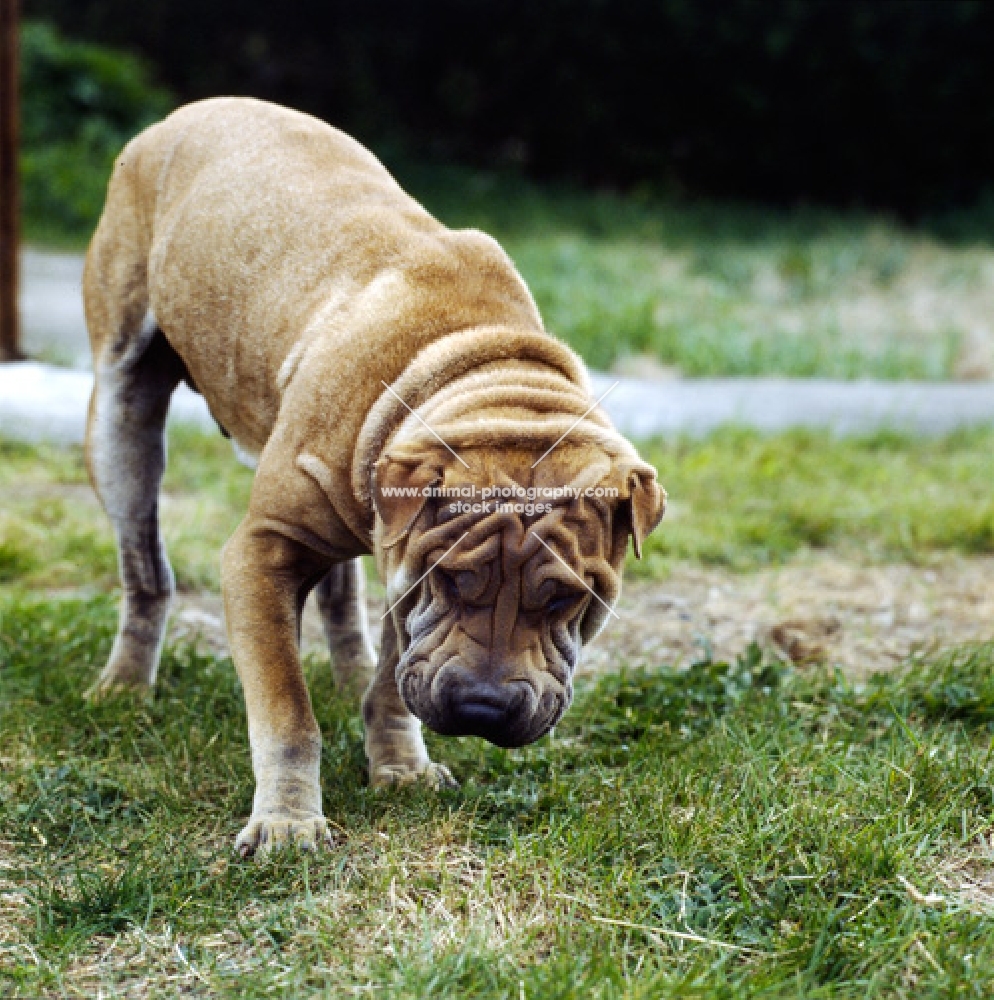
x=395, y=384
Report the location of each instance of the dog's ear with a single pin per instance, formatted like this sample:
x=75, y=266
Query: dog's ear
x=644, y=499
x=401, y=487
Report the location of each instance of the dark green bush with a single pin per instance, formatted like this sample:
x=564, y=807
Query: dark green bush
x=80, y=104
x=885, y=103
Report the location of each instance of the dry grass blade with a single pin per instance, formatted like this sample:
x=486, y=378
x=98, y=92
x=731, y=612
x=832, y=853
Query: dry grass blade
x=683, y=936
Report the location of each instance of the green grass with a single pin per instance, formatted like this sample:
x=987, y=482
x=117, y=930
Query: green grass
x=54, y=534
x=742, y=499
x=725, y=289
x=738, y=499
x=772, y=814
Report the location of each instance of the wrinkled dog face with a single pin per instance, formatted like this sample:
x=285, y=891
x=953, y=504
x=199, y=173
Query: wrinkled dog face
x=512, y=586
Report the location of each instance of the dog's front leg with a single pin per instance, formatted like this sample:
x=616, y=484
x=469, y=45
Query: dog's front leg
x=265, y=578
x=395, y=748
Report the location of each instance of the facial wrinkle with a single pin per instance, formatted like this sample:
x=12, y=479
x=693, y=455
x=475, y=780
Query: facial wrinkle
x=505, y=616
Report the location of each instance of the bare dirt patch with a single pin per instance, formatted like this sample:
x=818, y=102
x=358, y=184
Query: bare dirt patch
x=862, y=618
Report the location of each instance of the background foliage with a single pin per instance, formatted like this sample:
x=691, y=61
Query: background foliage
x=505, y=117
x=80, y=104
x=884, y=103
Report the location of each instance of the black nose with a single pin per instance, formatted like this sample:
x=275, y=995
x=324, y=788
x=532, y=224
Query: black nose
x=476, y=716
x=484, y=710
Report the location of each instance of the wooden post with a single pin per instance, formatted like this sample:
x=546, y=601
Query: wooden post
x=10, y=339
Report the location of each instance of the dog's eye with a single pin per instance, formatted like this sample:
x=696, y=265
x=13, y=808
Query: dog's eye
x=563, y=603
x=448, y=583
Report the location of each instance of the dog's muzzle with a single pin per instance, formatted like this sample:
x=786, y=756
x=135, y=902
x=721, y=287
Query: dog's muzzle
x=458, y=702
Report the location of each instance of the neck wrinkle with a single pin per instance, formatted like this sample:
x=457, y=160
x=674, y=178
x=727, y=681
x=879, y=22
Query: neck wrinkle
x=522, y=386
x=438, y=366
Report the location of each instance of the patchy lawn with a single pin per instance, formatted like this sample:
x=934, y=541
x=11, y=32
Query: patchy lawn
x=728, y=830
x=737, y=499
x=635, y=282
x=713, y=818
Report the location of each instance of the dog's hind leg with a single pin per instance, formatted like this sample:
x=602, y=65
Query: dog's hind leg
x=126, y=456
x=135, y=371
x=341, y=600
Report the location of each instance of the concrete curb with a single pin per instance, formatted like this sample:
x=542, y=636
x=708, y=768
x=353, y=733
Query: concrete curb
x=44, y=403
x=696, y=406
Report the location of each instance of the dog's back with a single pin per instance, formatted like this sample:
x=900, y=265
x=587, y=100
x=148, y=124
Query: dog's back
x=247, y=226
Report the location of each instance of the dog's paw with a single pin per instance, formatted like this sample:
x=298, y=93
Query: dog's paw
x=433, y=775
x=113, y=685
x=271, y=832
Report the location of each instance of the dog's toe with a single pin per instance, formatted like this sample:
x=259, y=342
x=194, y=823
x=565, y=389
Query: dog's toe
x=268, y=833
x=439, y=776
x=433, y=775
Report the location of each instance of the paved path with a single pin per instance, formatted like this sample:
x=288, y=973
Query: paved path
x=42, y=402
x=52, y=308
x=696, y=406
